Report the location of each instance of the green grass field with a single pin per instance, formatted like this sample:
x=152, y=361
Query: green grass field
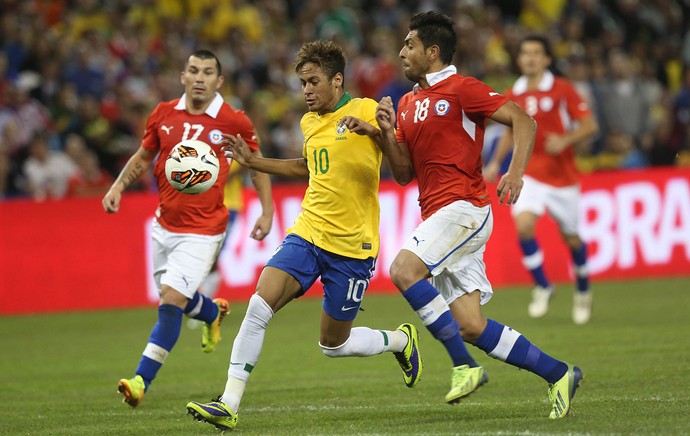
x=59, y=372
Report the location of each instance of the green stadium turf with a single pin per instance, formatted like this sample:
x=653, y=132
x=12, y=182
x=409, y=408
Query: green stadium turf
x=59, y=372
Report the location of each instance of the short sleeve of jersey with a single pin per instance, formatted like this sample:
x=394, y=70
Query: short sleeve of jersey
x=479, y=98
x=577, y=107
x=150, y=139
x=399, y=134
x=245, y=128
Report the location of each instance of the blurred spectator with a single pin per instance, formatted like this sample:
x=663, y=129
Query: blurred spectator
x=96, y=68
x=47, y=172
x=624, y=106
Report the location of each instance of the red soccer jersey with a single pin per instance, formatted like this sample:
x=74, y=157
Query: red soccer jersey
x=443, y=127
x=555, y=105
x=170, y=123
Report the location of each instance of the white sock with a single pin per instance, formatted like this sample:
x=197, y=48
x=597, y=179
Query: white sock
x=364, y=341
x=246, y=350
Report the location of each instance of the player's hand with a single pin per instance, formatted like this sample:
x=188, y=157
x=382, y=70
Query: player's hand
x=358, y=126
x=262, y=227
x=111, y=201
x=236, y=148
x=555, y=144
x=385, y=114
x=509, y=188
x=491, y=171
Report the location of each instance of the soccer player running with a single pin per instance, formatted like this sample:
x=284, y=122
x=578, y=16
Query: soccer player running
x=188, y=230
x=335, y=237
x=551, y=177
x=440, y=130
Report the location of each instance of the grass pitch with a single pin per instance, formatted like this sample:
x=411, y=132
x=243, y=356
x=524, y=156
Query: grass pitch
x=59, y=372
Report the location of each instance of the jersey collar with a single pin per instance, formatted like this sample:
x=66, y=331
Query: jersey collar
x=212, y=109
x=434, y=78
x=343, y=101
x=545, y=84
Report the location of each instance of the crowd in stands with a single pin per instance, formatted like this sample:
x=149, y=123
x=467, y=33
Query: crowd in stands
x=79, y=77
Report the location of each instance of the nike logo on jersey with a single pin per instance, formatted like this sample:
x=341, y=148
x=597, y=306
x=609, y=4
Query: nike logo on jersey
x=403, y=114
x=167, y=129
x=345, y=309
x=491, y=94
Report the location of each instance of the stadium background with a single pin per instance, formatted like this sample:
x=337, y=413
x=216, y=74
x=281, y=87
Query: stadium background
x=82, y=75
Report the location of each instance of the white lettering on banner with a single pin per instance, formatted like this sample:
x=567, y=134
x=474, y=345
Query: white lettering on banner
x=600, y=229
x=243, y=257
x=639, y=214
x=395, y=227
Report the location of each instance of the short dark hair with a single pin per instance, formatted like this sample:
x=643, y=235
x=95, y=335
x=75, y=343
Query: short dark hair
x=207, y=54
x=540, y=39
x=326, y=54
x=435, y=28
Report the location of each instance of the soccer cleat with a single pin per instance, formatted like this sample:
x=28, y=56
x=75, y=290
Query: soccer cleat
x=132, y=389
x=409, y=358
x=465, y=381
x=215, y=413
x=582, y=307
x=210, y=333
x=562, y=392
x=540, y=302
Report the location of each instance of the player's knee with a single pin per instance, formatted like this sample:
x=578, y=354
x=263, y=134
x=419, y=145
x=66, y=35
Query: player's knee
x=402, y=276
x=472, y=329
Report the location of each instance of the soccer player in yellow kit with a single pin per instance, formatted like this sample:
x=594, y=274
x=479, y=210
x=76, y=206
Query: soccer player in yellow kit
x=334, y=238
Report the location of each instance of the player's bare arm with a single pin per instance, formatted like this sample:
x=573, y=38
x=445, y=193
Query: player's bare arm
x=587, y=127
x=236, y=148
x=135, y=167
x=524, y=129
x=262, y=184
x=396, y=154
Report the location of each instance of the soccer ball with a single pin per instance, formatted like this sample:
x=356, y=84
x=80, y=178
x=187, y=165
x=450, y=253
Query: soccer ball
x=192, y=167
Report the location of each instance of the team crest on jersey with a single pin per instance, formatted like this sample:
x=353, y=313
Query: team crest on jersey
x=441, y=107
x=545, y=104
x=340, y=129
x=215, y=136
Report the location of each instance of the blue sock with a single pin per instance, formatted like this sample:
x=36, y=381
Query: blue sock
x=504, y=343
x=437, y=318
x=581, y=270
x=202, y=308
x=161, y=342
x=533, y=259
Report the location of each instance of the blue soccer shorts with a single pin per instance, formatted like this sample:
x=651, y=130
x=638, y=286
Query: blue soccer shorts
x=344, y=279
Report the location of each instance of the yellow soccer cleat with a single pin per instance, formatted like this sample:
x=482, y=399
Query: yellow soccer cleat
x=465, y=381
x=210, y=332
x=562, y=392
x=132, y=389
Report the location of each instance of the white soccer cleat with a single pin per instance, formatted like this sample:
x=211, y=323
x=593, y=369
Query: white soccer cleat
x=540, y=302
x=582, y=307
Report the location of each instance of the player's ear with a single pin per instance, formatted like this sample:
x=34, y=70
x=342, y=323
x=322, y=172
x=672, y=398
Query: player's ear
x=221, y=80
x=338, y=80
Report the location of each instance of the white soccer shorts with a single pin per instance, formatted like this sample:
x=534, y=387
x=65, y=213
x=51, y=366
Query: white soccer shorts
x=560, y=202
x=451, y=243
x=182, y=260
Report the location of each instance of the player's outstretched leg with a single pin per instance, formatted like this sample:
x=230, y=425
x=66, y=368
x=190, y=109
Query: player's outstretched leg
x=409, y=359
x=210, y=334
x=132, y=389
x=465, y=381
x=215, y=413
x=562, y=392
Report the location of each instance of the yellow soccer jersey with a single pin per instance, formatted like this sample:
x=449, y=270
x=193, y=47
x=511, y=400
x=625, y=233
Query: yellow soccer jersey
x=341, y=205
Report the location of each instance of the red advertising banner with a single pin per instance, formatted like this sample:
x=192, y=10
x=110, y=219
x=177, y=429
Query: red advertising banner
x=70, y=255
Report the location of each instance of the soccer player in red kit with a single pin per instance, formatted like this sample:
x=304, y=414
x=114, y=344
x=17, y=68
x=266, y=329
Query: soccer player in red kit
x=188, y=230
x=551, y=177
x=440, y=130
